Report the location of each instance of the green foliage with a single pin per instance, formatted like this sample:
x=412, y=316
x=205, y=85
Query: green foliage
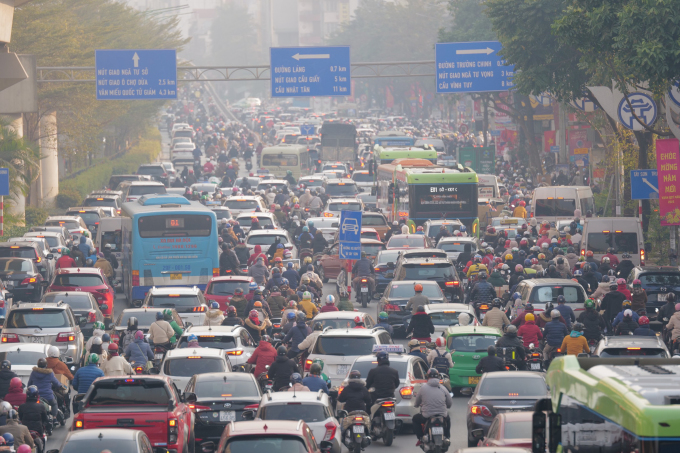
x=470, y=23
x=68, y=197
x=36, y=216
x=18, y=155
x=13, y=231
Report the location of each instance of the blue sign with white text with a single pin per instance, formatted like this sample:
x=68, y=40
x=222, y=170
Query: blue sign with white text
x=349, y=251
x=471, y=67
x=4, y=182
x=310, y=71
x=136, y=74
x=644, y=185
x=350, y=235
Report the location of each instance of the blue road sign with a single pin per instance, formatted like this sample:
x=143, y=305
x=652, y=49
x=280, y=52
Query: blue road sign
x=495, y=133
x=4, y=182
x=349, y=251
x=136, y=74
x=307, y=129
x=350, y=226
x=554, y=149
x=310, y=71
x=644, y=184
x=471, y=67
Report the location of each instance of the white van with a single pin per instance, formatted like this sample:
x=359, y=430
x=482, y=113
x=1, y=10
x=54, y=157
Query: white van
x=109, y=232
x=623, y=234
x=488, y=189
x=555, y=203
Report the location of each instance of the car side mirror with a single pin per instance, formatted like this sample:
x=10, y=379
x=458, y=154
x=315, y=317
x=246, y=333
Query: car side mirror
x=188, y=324
x=467, y=391
x=248, y=415
x=50, y=256
x=190, y=397
x=208, y=447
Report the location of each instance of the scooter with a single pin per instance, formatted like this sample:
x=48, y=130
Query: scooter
x=158, y=355
x=40, y=440
x=265, y=383
x=364, y=295
x=433, y=440
x=534, y=359
x=383, y=421
x=355, y=437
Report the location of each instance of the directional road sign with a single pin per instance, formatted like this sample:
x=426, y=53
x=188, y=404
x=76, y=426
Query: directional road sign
x=4, y=181
x=310, y=71
x=471, y=67
x=644, y=185
x=350, y=235
x=136, y=74
x=307, y=129
x=349, y=251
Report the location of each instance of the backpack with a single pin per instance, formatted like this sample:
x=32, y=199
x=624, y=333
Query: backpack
x=441, y=363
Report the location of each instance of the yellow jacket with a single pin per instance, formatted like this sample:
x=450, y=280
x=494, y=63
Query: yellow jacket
x=309, y=308
x=575, y=345
x=476, y=269
x=520, y=212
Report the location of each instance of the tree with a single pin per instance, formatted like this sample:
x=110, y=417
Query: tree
x=20, y=156
x=469, y=23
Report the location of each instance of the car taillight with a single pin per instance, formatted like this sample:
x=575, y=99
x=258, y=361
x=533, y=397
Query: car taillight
x=198, y=407
x=135, y=278
x=28, y=280
x=235, y=352
x=452, y=284
x=172, y=431
x=79, y=424
x=642, y=257
x=10, y=338
x=66, y=336
x=390, y=307
x=406, y=392
x=483, y=307
x=164, y=175
x=251, y=407
x=583, y=252
x=103, y=290
x=481, y=410
x=330, y=431
x=328, y=214
x=2, y=303
x=308, y=364
x=216, y=271
x=199, y=309
x=91, y=316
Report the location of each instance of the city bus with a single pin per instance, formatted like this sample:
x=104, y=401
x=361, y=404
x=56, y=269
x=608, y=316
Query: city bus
x=167, y=241
x=418, y=190
x=283, y=157
x=392, y=139
x=387, y=155
x=607, y=405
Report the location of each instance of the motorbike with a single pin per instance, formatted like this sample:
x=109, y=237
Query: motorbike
x=138, y=368
x=64, y=407
x=364, y=295
x=249, y=164
x=158, y=355
x=40, y=440
x=383, y=421
x=265, y=383
x=534, y=359
x=480, y=309
x=355, y=437
x=433, y=440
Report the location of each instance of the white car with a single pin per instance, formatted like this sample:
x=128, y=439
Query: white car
x=267, y=220
x=313, y=181
x=445, y=315
x=181, y=364
x=324, y=222
x=335, y=205
x=342, y=319
x=74, y=223
x=265, y=238
x=363, y=178
x=245, y=203
x=24, y=357
x=235, y=341
x=453, y=246
x=182, y=153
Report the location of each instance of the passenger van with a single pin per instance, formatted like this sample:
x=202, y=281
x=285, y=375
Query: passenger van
x=109, y=232
x=488, y=189
x=555, y=203
x=283, y=157
x=623, y=234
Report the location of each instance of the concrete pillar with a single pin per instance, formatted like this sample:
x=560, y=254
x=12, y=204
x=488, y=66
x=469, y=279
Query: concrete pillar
x=49, y=162
x=16, y=205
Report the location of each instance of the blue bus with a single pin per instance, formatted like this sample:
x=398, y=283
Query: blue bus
x=167, y=241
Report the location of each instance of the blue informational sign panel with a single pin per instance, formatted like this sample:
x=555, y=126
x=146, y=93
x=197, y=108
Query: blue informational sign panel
x=350, y=235
x=349, y=250
x=4, y=182
x=136, y=74
x=310, y=71
x=644, y=185
x=471, y=67
x=307, y=129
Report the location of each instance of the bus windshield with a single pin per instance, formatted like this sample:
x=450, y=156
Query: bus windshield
x=563, y=207
x=341, y=189
x=174, y=225
x=281, y=160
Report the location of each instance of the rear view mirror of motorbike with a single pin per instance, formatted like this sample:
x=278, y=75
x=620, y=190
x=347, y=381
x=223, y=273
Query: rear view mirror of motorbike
x=248, y=415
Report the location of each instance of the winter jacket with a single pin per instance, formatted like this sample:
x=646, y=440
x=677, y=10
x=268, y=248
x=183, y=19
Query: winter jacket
x=483, y=292
x=674, y=325
x=638, y=300
x=623, y=289
x=355, y=395
x=160, y=332
x=575, y=344
x=555, y=332
x=58, y=367
x=116, y=366
x=277, y=303
x=240, y=303
x=567, y=313
x=384, y=379
x=85, y=376
x=105, y=266
x=33, y=415
x=489, y=364
x=601, y=291
x=572, y=258
x=257, y=252
x=292, y=277
x=315, y=383
x=593, y=324
x=138, y=352
x=309, y=341
x=328, y=307
x=612, y=304
x=624, y=268
x=510, y=340
x=387, y=327
x=44, y=379
x=416, y=301
x=213, y=317
x=232, y=321
x=619, y=318
x=308, y=307
x=83, y=247
x=5, y=378
x=281, y=370
x=626, y=327
x=666, y=311
x=260, y=273
x=519, y=320
x=497, y=280
x=20, y=432
x=421, y=326
x=563, y=269
x=255, y=330
x=644, y=331
x=263, y=355
x=345, y=305
x=242, y=253
x=495, y=318
x=433, y=399
x=530, y=333
x=65, y=261
x=16, y=396
x=95, y=333
x=296, y=335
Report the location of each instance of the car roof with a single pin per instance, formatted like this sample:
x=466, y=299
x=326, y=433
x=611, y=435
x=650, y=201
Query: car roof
x=190, y=352
x=257, y=427
x=144, y=183
x=310, y=397
x=632, y=340
x=551, y=282
x=230, y=375
x=342, y=199
x=221, y=330
x=433, y=308
x=517, y=374
x=339, y=180
x=99, y=433
x=255, y=214
x=84, y=208
x=37, y=234
x=467, y=330
x=166, y=290
x=232, y=278
x=63, y=217
x=522, y=416
x=649, y=269
x=269, y=231
x=19, y=243
x=351, y=332
x=274, y=181
x=80, y=270
x=25, y=305
x=338, y=315
x=394, y=357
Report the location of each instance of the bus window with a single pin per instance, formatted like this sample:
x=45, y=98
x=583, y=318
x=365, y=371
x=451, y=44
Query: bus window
x=282, y=160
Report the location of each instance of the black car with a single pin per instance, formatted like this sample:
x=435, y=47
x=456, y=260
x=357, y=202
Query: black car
x=658, y=282
x=83, y=305
x=502, y=391
x=22, y=278
x=156, y=171
x=397, y=295
x=440, y=270
x=30, y=250
x=384, y=263
x=220, y=398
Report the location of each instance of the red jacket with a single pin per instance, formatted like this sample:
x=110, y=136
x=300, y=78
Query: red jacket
x=327, y=308
x=264, y=355
x=65, y=261
x=625, y=291
x=16, y=396
x=530, y=333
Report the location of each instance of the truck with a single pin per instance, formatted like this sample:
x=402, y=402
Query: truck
x=338, y=142
x=147, y=403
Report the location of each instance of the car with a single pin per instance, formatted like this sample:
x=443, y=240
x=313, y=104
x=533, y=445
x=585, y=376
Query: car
x=132, y=190
x=324, y=222
x=71, y=222
x=171, y=171
x=382, y=264
x=440, y=270
x=116, y=180
x=331, y=262
x=335, y=205
x=313, y=181
x=109, y=439
x=207, y=187
x=265, y=238
x=180, y=140
x=221, y=212
x=84, y=306
x=278, y=184
x=87, y=279
x=145, y=317
x=24, y=357
x=56, y=241
x=50, y=324
x=221, y=289
x=106, y=202
x=245, y=203
x=252, y=180
x=453, y=246
x=446, y=315
x=90, y=214
x=364, y=178
x=467, y=345
x=338, y=167
x=314, y=408
x=432, y=227
x=21, y=281
x=53, y=229
x=340, y=188
x=218, y=399
x=509, y=429
x=658, y=282
x=395, y=297
x=342, y=319
x=188, y=302
x=339, y=347
x=271, y=436
x=408, y=241
x=180, y=364
x=267, y=220
x=631, y=346
x=370, y=201
x=500, y=392
x=420, y=253
x=377, y=221
x=182, y=153
x=235, y=341
x=157, y=172
x=44, y=262
x=540, y=291
x=42, y=244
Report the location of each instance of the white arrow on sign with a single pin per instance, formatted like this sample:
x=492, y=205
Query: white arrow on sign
x=655, y=189
x=135, y=58
x=312, y=56
x=487, y=51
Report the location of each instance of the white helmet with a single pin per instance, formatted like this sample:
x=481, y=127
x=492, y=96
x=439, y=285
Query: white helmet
x=53, y=352
x=330, y=300
x=97, y=340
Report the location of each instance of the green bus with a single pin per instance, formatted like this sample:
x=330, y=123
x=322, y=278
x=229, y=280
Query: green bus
x=387, y=155
x=611, y=405
x=418, y=190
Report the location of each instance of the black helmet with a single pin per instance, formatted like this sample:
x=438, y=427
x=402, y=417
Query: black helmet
x=432, y=373
x=301, y=317
x=6, y=365
x=578, y=327
x=318, y=326
x=491, y=350
x=32, y=392
x=315, y=369
x=496, y=302
x=560, y=260
x=670, y=298
x=383, y=357
x=281, y=350
x=42, y=363
x=552, y=268
x=275, y=289
x=132, y=323
x=354, y=374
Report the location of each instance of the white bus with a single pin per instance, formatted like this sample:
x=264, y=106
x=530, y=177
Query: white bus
x=281, y=158
x=555, y=203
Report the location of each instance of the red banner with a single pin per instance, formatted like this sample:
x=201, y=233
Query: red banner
x=549, y=140
x=668, y=166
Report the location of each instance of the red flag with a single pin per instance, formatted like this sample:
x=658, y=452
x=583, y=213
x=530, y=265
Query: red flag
x=548, y=140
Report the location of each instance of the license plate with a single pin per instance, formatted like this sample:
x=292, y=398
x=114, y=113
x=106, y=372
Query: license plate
x=481, y=316
x=661, y=297
x=364, y=290
x=358, y=429
x=175, y=276
x=389, y=416
x=159, y=356
x=535, y=366
x=437, y=430
x=227, y=416
x=465, y=280
x=37, y=340
x=343, y=369
x=473, y=380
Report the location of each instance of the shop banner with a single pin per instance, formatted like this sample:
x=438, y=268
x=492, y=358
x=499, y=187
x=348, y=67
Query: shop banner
x=668, y=166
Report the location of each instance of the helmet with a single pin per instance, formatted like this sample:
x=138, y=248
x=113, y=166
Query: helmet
x=139, y=335
x=310, y=223
x=290, y=315
x=42, y=363
x=418, y=288
x=66, y=251
x=432, y=373
x=496, y=302
x=13, y=415
x=300, y=317
x=529, y=317
x=519, y=268
x=94, y=358
x=555, y=314
x=606, y=259
x=24, y=448
x=440, y=342
x=9, y=438
x=383, y=358
x=670, y=298
x=318, y=326
x=306, y=295
x=637, y=282
x=511, y=329
x=620, y=281
x=252, y=314
x=626, y=303
x=305, y=229
x=577, y=326
x=113, y=347
x=589, y=254
x=295, y=378
x=330, y=300
x=462, y=228
x=527, y=262
x=508, y=257
x=354, y=374
x=257, y=304
x=590, y=303
x=613, y=286
x=534, y=261
x=578, y=273
x=192, y=337
x=643, y=321
x=483, y=275
x=53, y=352
x=214, y=305
x=358, y=320
x=419, y=228
x=159, y=315
x=281, y=351
x=516, y=296
x=490, y=229
x=478, y=259
x=31, y=392
x=315, y=369
x=99, y=325
x=15, y=382
x=383, y=316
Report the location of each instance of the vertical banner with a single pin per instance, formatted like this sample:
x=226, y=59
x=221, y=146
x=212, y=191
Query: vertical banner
x=668, y=166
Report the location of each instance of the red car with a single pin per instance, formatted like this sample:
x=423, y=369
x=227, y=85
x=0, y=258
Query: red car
x=509, y=429
x=88, y=280
x=408, y=241
x=221, y=289
x=331, y=262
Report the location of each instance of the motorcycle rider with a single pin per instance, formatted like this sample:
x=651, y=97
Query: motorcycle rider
x=110, y=257
x=434, y=400
x=161, y=332
x=16, y=396
x=490, y=363
x=665, y=312
x=319, y=243
x=414, y=349
x=229, y=261
x=115, y=365
x=43, y=378
x=263, y=355
x=363, y=268
x=296, y=384
x=297, y=335
x=382, y=322
x=65, y=260
x=383, y=378
x=282, y=369
x=254, y=326
x=439, y=358
x=510, y=340
x=627, y=326
x=6, y=376
x=330, y=305
x=129, y=335
x=239, y=302
x=313, y=380
x=565, y=310
x=482, y=291
x=55, y=364
x=291, y=275
x=86, y=375
x=554, y=332
x=592, y=321
x=529, y=331
x=418, y=299
x=32, y=413
x=138, y=352
x=232, y=319
x=575, y=343
x=311, y=338
x=214, y=315
x=357, y=400
x=22, y=435
x=612, y=303
x=496, y=317
x=421, y=324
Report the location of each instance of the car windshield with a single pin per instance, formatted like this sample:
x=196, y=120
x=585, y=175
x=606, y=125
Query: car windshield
x=387, y=256
x=337, y=323
x=227, y=288
x=362, y=177
x=400, y=290
x=15, y=265
x=77, y=280
x=526, y=386
x=129, y=392
x=75, y=301
x=108, y=444
x=241, y=204
x=265, y=444
x=372, y=249
x=211, y=341
x=445, y=318
x=471, y=343
x=312, y=182
x=222, y=214
x=621, y=242
x=52, y=241
x=144, y=318
x=660, y=279
x=457, y=246
x=364, y=367
x=518, y=430
x=265, y=222
x=188, y=366
x=373, y=220
x=309, y=412
x=153, y=170
x=37, y=317
x=544, y=294
x=266, y=239
x=434, y=230
x=19, y=357
x=70, y=224
x=218, y=387
x=89, y=217
x=406, y=242
x=18, y=252
x=146, y=190
x=174, y=300
x=344, y=206
x=429, y=271
x=344, y=345
x=341, y=189
x=634, y=352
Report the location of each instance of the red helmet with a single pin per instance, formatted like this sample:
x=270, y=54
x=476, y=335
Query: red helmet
x=589, y=253
x=490, y=229
x=358, y=320
x=522, y=203
x=637, y=282
x=296, y=206
x=519, y=268
x=231, y=309
x=15, y=382
x=498, y=259
x=441, y=342
x=534, y=261
x=507, y=243
x=523, y=242
x=643, y=321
